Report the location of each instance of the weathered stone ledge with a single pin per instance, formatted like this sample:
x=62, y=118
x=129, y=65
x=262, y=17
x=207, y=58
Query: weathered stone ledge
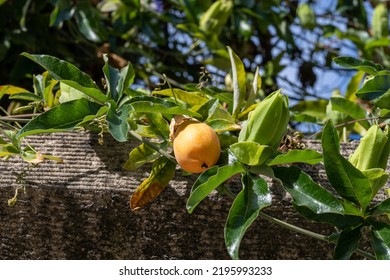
x=80, y=210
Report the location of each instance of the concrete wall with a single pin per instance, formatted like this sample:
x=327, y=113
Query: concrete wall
x=80, y=210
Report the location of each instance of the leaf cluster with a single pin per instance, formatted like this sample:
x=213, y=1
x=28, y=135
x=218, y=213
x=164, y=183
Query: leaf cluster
x=74, y=101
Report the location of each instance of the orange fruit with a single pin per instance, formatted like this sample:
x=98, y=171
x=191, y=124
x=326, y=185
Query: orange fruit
x=196, y=146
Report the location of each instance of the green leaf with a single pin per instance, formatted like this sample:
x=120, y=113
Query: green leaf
x=380, y=240
x=63, y=117
x=163, y=171
x=239, y=82
x=88, y=22
x=306, y=16
x=10, y=90
x=347, y=243
x=112, y=78
x=69, y=93
x=349, y=108
x=348, y=181
x=337, y=220
x=8, y=150
x=305, y=192
x=223, y=125
x=208, y=108
x=117, y=80
x=371, y=149
x=381, y=208
x=378, y=178
x=150, y=104
x=353, y=85
x=27, y=96
x=251, y=153
x=380, y=21
x=117, y=122
x=140, y=155
x=93, y=93
x=209, y=181
x=292, y=156
x=68, y=74
x=383, y=42
x=377, y=90
x=159, y=124
x=191, y=98
x=63, y=11
x=313, y=108
x=358, y=64
x=245, y=209
x=126, y=79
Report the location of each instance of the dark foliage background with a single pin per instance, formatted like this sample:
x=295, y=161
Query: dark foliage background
x=292, y=42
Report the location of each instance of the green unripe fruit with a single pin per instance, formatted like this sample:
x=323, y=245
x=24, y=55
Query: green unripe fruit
x=267, y=123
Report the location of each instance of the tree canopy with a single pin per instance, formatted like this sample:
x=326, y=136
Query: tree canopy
x=292, y=42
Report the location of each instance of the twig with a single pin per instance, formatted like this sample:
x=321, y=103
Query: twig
x=350, y=122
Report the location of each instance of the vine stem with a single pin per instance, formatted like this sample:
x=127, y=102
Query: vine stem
x=350, y=122
x=289, y=226
x=294, y=228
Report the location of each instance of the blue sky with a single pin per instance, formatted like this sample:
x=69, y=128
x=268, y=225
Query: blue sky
x=327, y=80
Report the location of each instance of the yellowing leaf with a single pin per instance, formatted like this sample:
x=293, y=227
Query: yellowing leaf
x=162, y=172
x=10, y=89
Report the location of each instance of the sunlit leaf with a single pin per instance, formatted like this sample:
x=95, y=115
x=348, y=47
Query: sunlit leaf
x=223, y=125
x=208, y=108
x=383, y=42
x=251, y=153
x=306, y=15
x=313, y=108
x=141, y=155
x=239, y=82
x=190, y=97
x=151, y=104
x=10, y=89
x=68, y=74
x=304, y=156
x=348, y=181
x=351, y=109
x=8, y=150
x=377, y=90
x=378, y=178
x=380, y=21
x=63, y=117
x=353, y=86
